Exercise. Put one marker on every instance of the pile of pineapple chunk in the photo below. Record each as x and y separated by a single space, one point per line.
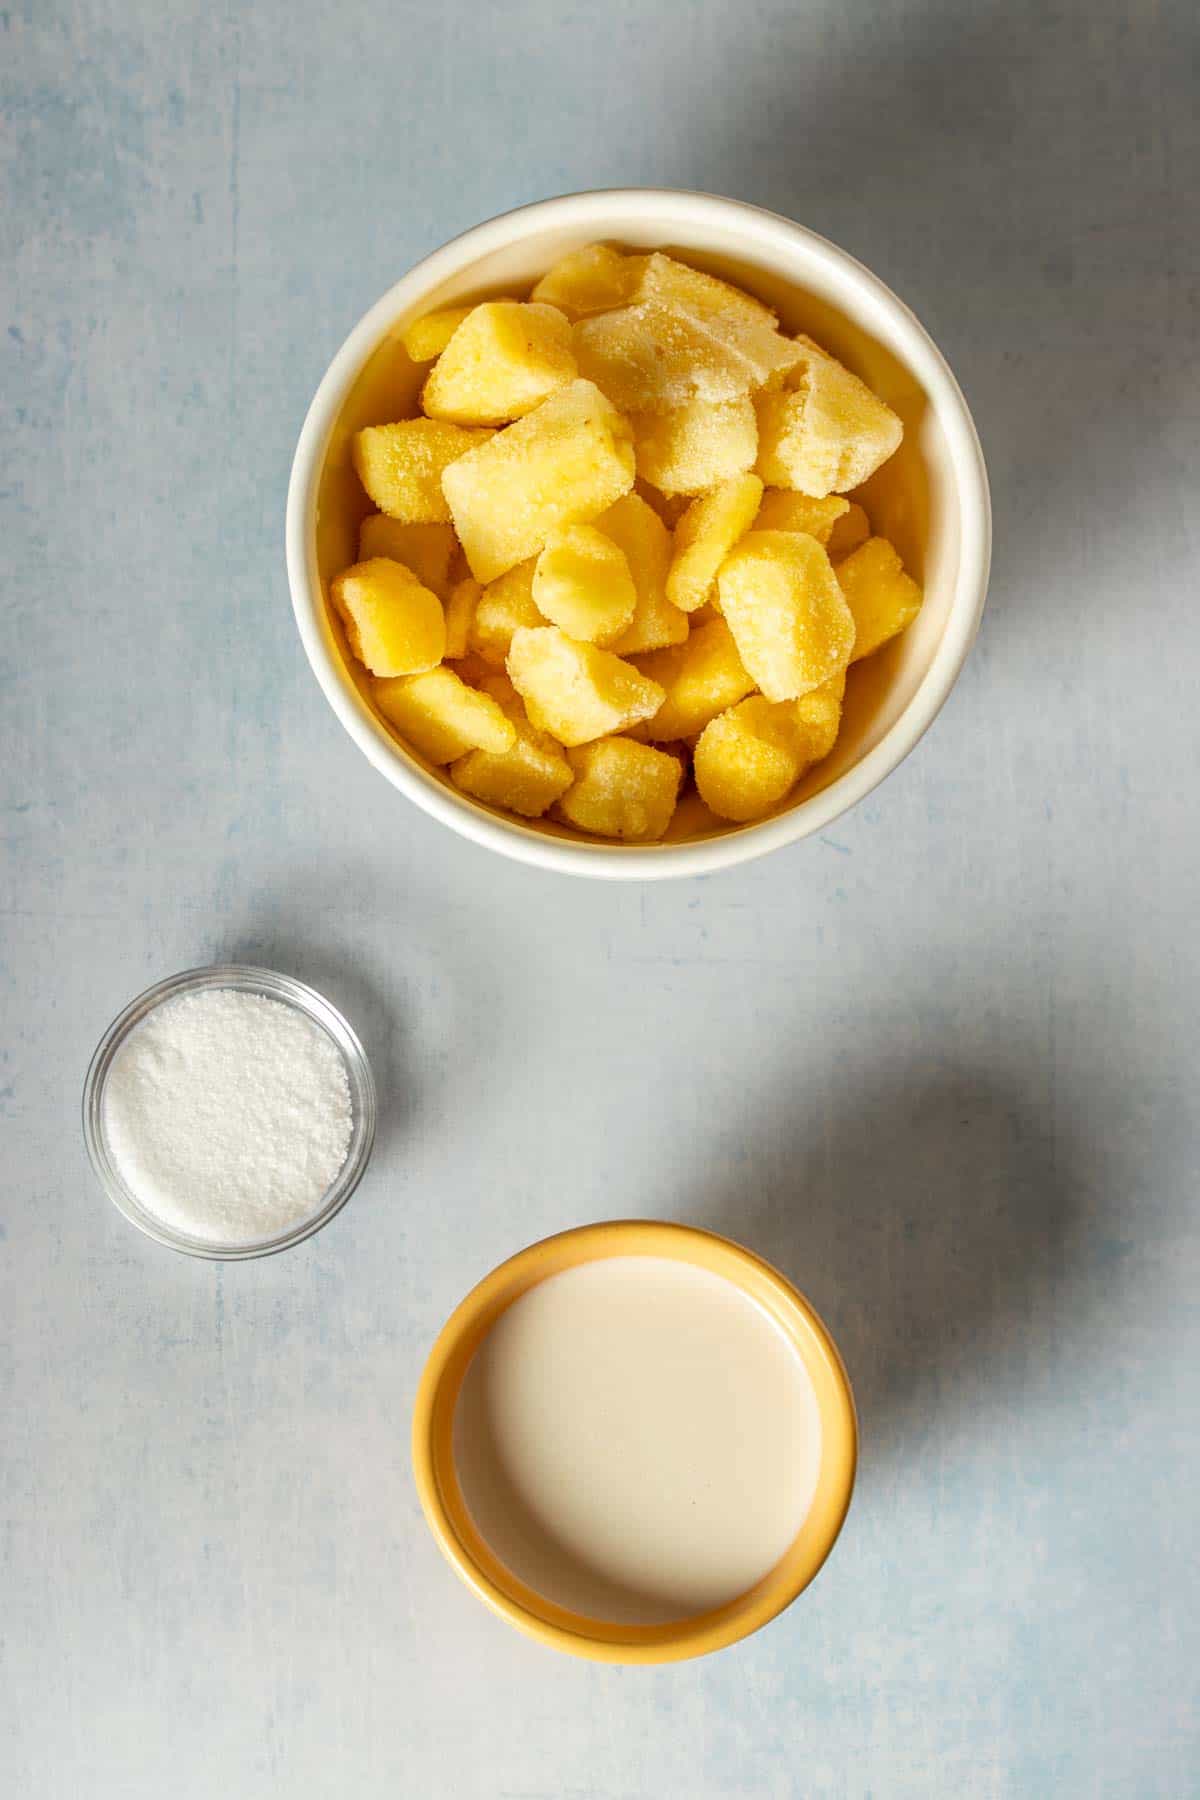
615 549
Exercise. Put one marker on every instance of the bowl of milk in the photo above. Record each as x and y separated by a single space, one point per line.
635 1441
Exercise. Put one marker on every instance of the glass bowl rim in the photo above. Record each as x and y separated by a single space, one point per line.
272 985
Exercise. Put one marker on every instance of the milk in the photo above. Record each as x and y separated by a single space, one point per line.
637 1439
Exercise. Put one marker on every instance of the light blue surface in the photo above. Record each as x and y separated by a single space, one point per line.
941 1064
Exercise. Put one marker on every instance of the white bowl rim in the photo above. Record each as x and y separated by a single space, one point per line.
640 862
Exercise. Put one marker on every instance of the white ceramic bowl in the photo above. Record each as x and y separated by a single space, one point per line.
931 499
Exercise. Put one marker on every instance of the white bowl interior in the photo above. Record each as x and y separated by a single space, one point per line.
926 499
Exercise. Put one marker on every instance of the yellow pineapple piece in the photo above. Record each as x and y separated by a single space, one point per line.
505 358
699 679
651 357
788 616
582 582
401 465
460 617
622 789
692 447
655 355
562 464
439 715
851 530
575 691
394 626
528 777
883 599
824 431
783 509
590 280
426 338
748 759
706 534
635 527
818 718
502 608
425 549
681 750
662 278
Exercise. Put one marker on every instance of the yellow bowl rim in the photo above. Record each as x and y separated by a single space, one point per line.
511 1599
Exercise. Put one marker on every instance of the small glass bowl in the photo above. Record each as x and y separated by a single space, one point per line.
271 986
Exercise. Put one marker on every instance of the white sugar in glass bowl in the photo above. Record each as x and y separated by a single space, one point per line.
931 499
113 1169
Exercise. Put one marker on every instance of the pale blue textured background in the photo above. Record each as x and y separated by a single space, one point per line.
941 1064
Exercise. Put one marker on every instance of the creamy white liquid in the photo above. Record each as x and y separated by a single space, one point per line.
637 1440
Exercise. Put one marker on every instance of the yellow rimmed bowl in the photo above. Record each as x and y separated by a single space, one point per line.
467 1551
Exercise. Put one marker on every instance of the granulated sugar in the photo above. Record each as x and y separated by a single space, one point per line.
228 1115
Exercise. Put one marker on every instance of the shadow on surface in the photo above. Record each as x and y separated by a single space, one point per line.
932 1220
1022 175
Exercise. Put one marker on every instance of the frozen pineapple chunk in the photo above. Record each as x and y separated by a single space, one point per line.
394 626
528 777
651 357
505 358
439 715
748 759
699 678
502 608
425 549
655 355
882 598
824 431
583 583
788 616
460 617
694 446
575 691
401 465
562 464
593 279
635 527
622 790
426 338
851 530
818 718
784 510
706 534
660 277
